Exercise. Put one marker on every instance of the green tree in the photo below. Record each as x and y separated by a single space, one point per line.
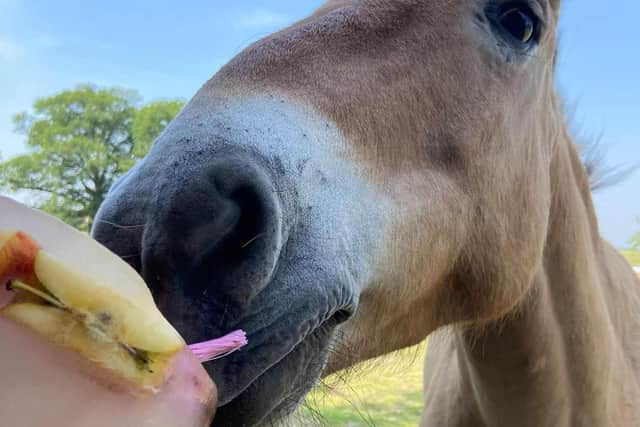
79 142
150 121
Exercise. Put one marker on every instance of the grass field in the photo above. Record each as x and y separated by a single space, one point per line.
384 393
633 257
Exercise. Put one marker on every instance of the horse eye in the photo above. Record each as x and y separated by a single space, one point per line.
520 22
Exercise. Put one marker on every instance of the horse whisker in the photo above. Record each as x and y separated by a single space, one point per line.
253 239
122 227
129 256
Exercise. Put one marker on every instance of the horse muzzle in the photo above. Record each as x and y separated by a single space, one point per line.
246 216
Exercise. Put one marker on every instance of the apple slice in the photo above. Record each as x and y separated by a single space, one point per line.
47 385
83 343
80 295
108 356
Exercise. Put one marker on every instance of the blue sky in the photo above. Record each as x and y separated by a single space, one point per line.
168 49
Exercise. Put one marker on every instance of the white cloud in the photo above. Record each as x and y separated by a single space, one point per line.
10 51
18 93
24 78
261 19
11 144
14 53
47 42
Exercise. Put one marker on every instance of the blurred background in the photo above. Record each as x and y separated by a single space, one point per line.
85 87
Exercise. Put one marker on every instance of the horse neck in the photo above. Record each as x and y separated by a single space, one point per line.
560 354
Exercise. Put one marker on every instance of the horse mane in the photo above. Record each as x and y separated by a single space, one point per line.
593 154
601 173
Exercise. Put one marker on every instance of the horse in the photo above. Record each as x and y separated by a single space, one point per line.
380 172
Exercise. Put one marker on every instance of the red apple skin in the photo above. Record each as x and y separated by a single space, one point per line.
17 259
43 384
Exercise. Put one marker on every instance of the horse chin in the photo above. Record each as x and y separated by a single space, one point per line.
277 392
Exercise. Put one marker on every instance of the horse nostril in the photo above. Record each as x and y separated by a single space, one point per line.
242 224
242 252
218 234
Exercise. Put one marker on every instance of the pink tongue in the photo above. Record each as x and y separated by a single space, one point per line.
220 347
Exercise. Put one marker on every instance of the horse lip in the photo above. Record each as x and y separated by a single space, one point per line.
331 321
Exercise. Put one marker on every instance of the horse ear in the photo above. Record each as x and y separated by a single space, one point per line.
556 4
